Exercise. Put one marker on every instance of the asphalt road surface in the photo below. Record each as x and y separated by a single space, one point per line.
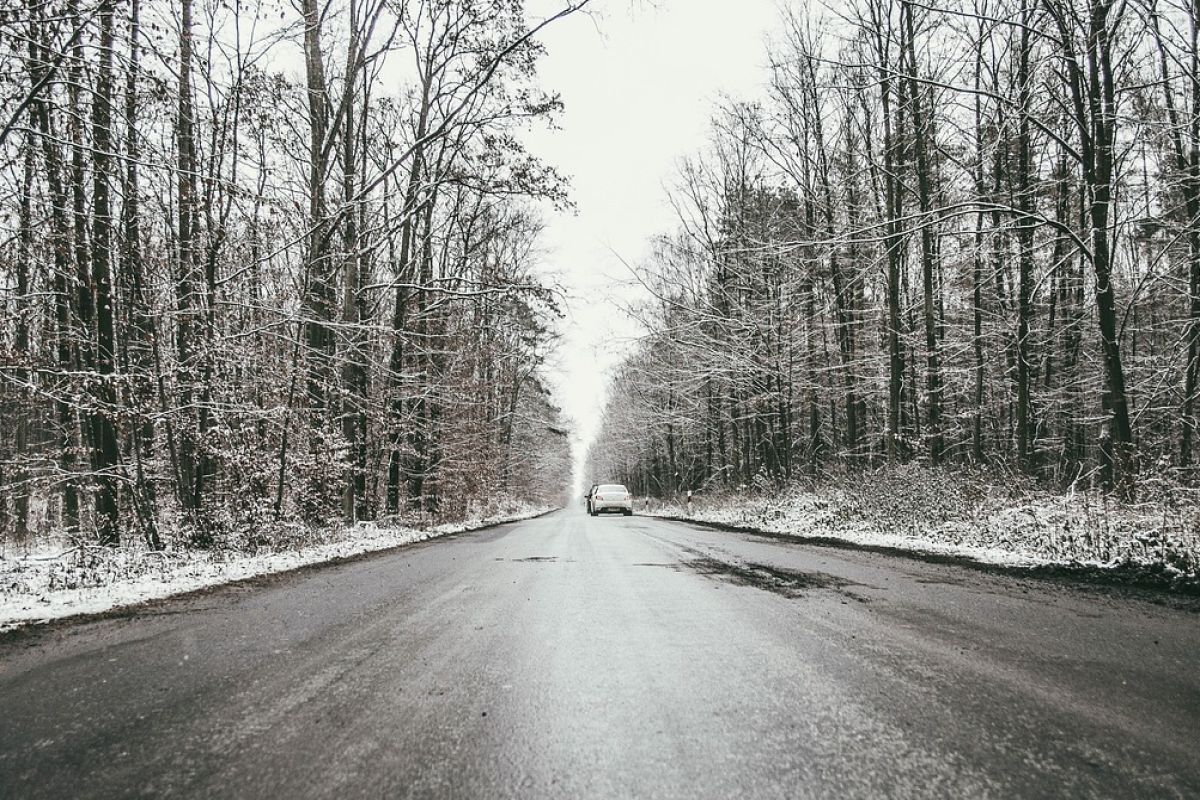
614 657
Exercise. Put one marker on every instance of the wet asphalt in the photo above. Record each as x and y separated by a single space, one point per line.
614 657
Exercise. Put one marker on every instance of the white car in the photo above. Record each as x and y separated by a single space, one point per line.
611 497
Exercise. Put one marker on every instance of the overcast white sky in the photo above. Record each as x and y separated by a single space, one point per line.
639 82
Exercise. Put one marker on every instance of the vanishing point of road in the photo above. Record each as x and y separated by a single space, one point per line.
570 657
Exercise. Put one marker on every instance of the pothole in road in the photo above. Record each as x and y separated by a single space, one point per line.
785 582
943 581
536 560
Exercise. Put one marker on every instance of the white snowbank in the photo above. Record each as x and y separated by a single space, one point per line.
754 516
941 514
46 584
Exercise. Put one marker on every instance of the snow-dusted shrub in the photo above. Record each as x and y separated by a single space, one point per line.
907 498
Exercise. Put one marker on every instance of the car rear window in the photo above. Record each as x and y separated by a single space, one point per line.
613 487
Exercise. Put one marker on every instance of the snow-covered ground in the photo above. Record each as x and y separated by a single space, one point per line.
53 582
910 510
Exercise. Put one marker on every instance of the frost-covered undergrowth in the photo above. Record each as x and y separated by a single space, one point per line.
54 582
936 511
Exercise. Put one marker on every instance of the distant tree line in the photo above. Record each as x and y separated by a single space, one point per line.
264 262
958 234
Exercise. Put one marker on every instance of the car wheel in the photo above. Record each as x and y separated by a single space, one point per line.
628 513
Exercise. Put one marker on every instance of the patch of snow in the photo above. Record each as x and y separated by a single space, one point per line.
49 582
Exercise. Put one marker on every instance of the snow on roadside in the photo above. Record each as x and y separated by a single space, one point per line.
956 518
44 585
752 517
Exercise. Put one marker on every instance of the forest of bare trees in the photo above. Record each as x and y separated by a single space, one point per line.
949 234
265 262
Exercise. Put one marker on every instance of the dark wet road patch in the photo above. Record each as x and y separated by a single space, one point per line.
944 581
785 582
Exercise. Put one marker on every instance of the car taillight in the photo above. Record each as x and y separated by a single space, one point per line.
628 497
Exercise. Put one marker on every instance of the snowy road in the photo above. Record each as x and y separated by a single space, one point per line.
613 657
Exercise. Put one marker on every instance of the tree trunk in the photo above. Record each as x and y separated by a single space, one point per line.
66 352
21 343
1025 228
185 292
1093 96
104 435
140 329
930 255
